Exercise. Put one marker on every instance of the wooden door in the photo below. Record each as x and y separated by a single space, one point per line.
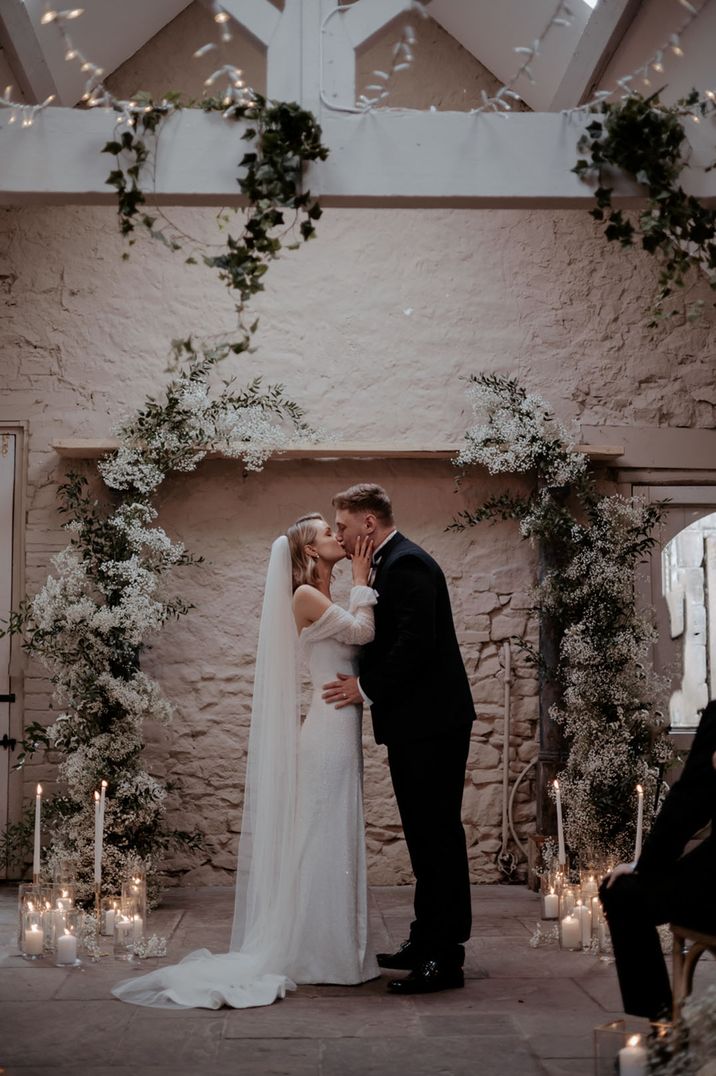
8 454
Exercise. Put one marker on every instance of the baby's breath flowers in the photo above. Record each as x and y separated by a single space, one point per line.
610 698
107 597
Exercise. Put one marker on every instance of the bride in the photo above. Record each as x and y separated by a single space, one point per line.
301 911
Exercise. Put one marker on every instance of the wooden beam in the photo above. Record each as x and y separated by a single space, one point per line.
602 36
24 53
78 448
258 17
364 20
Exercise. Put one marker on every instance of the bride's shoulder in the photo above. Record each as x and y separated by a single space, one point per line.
309 601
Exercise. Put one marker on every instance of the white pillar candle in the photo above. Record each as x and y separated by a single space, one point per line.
36 849
137 928
633 1058
584 916
551 905
109 917
66 948
33 941
639 821
561 854
97 840
571 932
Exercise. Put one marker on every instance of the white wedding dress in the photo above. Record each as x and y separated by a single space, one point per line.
314 928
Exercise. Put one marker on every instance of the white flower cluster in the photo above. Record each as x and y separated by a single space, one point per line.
517 433
249 433
133 520
127 468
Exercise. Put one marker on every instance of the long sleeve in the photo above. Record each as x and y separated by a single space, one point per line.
414 600
688 806
355 625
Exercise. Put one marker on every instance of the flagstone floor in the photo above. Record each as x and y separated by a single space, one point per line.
523 1011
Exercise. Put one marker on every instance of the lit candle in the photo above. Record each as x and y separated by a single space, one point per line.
639 821
97 840
36 852
571 932
583 914
103 793
137 928
33 941
551 905
109 918
123 928
66 948
633 1058
561 854
590 888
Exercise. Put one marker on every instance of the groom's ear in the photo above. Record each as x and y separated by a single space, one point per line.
370 522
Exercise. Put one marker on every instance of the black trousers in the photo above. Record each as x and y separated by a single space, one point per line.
428 778
635 904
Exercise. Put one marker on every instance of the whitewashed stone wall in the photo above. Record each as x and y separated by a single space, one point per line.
371 328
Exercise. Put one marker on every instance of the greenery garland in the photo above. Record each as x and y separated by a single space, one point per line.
88 625
640 136
90 622
617 737
284 137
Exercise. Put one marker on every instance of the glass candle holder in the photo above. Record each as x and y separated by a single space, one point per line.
568 895
67 940
134 888
617 1049
549 897
570 921
123 935
63 902
583 913
32 939
109 909
589 879
31 897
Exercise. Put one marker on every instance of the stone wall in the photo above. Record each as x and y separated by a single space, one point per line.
371 327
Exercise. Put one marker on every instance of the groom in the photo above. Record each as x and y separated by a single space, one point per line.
413 678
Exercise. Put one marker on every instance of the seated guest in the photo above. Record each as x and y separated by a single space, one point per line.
666 886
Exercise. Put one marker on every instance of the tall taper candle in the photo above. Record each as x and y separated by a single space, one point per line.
561 854
639 821
102 794
36 850
97 840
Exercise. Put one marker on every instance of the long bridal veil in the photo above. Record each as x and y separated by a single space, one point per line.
254 971
266 874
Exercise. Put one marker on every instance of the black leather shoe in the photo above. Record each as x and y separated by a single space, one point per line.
405 959
428 977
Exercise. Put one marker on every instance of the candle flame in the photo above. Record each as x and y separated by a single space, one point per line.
96 797
39 790
634 1040
104 784
639 790
556 784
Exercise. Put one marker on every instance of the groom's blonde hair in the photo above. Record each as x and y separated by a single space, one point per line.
366 497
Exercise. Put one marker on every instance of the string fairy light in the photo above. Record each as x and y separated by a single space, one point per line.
500 101
20 111
655 64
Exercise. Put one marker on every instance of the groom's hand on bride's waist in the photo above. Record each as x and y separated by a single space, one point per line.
343 691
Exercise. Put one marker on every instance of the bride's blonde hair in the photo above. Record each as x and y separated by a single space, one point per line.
300 534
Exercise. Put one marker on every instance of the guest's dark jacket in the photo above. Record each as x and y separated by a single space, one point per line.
689 805
413 672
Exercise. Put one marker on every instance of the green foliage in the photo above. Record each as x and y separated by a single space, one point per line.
284 139
592 544
646 140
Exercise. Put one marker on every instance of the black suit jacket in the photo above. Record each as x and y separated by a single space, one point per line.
688 807
413 671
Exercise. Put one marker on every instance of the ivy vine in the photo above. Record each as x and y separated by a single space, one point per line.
645 139
284 139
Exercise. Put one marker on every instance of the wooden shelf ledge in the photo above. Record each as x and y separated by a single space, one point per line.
78 448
